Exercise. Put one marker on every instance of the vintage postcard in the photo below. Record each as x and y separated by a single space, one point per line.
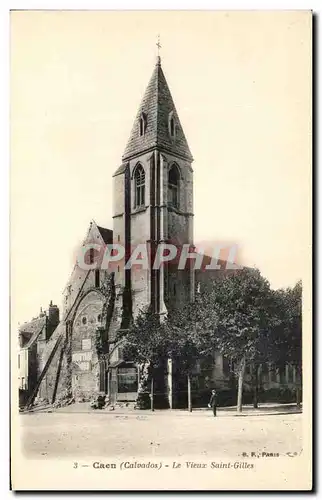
161 319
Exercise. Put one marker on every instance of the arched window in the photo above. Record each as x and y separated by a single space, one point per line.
139 182
173 186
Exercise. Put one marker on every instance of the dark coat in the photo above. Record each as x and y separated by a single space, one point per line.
213 400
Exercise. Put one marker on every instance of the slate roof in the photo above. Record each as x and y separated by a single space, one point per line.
29 332
107 234
156 105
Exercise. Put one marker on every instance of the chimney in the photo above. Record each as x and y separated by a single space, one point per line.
53 318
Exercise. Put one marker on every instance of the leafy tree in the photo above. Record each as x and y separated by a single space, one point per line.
185 330
232 317
239 309
285 344
239 316
145 343
150 343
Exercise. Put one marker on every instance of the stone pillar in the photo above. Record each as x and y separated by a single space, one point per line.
163 224
113 385
108 384
192 285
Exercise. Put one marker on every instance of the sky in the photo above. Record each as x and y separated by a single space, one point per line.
241 83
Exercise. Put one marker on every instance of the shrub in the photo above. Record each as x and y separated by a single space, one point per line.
98 401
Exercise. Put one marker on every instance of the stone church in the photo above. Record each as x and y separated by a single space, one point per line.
153 203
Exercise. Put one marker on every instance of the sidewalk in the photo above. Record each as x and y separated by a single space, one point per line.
229 411
263 409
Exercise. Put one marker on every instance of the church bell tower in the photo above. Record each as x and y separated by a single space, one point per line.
153 203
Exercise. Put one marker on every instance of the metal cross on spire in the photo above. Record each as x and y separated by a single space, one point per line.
158 44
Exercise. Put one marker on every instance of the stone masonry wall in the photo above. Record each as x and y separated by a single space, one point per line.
85 367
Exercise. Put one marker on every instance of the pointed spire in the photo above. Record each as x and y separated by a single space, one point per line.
158 44
157 122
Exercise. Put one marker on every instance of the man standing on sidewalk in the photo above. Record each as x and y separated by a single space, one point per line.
213 402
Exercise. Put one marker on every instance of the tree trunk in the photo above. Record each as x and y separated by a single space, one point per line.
240 384
255 385
152 394
189 394
170 383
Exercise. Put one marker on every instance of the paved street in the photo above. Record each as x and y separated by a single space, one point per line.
176 433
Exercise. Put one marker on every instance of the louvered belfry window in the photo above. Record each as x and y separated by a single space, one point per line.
173 187
139 179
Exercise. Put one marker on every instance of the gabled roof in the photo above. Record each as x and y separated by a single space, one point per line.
107 237
107 234
29 332
156 106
